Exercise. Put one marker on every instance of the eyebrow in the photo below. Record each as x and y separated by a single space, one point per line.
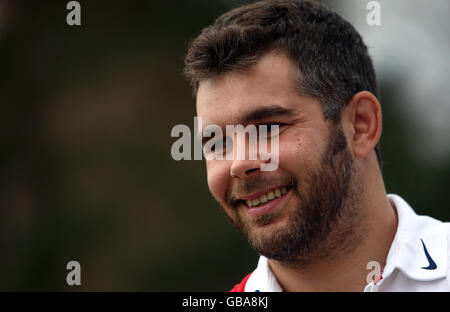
271 111
266 112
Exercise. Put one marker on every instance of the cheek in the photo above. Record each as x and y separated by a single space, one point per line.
218 178
296 154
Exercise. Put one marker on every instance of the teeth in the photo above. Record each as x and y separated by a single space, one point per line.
277 193
267 197
263 199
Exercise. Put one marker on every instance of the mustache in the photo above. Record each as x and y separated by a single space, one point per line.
243 188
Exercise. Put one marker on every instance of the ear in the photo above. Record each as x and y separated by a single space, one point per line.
363 121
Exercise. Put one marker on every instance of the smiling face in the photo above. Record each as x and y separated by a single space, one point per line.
305 209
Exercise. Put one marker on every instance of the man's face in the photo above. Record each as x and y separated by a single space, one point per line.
309 196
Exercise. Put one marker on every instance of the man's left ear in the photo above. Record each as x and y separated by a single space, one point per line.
362 119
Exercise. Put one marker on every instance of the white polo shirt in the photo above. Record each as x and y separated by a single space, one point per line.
418 259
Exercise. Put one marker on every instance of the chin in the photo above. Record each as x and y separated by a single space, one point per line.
267 229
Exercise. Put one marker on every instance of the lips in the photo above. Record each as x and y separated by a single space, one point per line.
265 201
267 207
257 200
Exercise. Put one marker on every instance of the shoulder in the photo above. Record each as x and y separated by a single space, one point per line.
241 286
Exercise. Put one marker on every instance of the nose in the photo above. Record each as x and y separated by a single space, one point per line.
244 169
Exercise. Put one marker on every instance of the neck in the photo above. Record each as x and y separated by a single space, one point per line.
348 271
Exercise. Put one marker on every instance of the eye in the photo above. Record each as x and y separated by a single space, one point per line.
279 124
270 127
270 124
221 146
227 144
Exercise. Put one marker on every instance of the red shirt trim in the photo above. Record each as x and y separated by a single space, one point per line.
241 286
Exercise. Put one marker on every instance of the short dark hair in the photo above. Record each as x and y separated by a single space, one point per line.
332 60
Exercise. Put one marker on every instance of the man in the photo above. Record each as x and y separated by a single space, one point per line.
323 215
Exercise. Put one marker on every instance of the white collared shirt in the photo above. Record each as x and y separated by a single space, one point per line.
418 259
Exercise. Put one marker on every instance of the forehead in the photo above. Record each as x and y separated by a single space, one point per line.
225 99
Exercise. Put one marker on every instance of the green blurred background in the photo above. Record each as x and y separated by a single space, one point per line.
86 172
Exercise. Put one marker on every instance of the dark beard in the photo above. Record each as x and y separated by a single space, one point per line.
325 224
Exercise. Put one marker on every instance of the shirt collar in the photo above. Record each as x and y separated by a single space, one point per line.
262 279
419 248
